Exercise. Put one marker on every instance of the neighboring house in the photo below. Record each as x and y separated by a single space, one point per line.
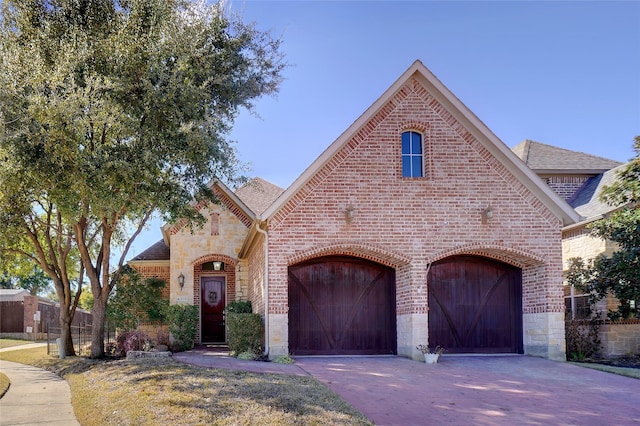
579 178
22 314
417 225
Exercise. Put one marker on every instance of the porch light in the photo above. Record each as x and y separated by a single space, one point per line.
218 266
181 281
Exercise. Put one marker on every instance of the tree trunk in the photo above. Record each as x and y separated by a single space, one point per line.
65 331
97 329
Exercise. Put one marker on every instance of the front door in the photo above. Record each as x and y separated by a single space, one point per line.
213 303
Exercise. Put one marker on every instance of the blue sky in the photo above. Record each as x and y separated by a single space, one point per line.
561 73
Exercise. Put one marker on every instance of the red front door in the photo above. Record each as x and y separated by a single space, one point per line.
213 303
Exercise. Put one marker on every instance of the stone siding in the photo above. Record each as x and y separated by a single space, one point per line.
579 243
620 338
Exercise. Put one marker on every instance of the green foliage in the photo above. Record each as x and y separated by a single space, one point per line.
131 341
86 300
618 274
183 325
583 339
25 274
112 111
283 359
245 333
136 300
239 307
247 356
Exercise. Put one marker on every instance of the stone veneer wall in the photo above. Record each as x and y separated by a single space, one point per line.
407 223
620 337
190 247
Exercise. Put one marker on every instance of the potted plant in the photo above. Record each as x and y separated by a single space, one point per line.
431 357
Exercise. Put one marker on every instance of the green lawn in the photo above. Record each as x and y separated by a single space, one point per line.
5 343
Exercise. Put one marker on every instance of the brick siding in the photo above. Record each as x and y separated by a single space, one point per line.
409 222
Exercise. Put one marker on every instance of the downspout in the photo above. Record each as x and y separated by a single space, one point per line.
266 288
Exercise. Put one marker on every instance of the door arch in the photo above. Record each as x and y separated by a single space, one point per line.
341 306
475 305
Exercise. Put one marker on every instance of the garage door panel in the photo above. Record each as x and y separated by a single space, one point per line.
341 306
475 306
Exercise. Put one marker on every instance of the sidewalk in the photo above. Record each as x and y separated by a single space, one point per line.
36 396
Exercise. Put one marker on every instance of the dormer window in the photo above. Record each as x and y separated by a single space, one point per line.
412 164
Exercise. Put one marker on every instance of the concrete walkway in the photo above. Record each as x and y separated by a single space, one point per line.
462 390
36 396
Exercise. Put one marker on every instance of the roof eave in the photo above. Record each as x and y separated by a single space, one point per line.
569 171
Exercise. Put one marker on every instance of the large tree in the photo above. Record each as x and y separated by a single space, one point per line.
619 273
111 111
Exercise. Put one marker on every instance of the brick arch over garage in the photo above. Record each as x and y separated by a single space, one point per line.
516 257
366 252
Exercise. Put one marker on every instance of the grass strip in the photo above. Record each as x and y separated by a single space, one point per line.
622 371
5 343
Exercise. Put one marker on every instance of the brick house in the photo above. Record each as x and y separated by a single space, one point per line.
417 225
578 178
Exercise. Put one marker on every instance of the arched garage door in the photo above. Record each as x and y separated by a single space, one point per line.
475 305
341 306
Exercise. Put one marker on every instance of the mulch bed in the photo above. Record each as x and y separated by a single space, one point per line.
628 361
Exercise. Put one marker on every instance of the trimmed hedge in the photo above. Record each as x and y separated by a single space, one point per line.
245 333
183 325
239 307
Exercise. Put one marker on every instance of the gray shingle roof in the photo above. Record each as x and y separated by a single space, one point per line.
546 158
258 194
158 251
587 200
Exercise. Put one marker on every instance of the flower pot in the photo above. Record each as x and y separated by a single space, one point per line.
431 358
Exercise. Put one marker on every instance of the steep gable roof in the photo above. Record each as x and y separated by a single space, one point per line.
227 198
464 116
587 200
258 194
542 158
253 197
158 251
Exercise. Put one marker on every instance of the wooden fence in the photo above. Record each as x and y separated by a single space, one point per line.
18 319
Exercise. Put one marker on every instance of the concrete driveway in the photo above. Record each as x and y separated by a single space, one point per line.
480 390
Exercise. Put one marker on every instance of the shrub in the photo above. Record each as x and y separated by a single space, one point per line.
239 307
283 359
136 300
247 356
183 325
245 333
583 339
131 341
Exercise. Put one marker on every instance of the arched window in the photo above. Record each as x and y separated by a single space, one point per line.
412 164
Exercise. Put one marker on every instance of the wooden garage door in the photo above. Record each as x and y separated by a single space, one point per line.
475 306
341 306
